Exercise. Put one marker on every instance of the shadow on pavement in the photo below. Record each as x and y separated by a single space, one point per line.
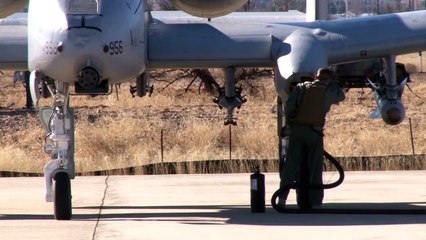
333 214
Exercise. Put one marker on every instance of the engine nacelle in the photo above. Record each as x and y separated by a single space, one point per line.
392 111
8 7
208 8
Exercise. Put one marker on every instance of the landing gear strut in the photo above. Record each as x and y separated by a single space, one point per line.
58 121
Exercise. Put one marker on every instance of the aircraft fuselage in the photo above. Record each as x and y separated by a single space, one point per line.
65 37
119 43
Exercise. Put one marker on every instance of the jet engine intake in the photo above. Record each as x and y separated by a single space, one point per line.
208 8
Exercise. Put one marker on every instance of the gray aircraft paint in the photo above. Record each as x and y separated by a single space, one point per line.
177 45
13 42
249 43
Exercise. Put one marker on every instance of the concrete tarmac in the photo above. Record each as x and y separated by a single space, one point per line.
211 207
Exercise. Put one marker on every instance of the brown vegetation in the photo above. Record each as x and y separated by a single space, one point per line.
123 132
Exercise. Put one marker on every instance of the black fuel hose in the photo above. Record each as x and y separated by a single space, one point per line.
296 185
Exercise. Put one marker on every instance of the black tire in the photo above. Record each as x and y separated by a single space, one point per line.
62 201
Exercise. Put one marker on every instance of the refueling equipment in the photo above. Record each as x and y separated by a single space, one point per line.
257 191
303 186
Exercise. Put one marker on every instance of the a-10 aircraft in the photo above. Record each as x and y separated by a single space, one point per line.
89 45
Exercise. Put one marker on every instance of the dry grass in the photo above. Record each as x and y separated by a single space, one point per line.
191 132
113 133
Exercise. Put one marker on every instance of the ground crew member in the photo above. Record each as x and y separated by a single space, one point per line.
305 113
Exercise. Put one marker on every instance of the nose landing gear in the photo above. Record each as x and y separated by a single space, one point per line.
58 121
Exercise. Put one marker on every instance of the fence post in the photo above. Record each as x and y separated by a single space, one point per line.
230 141
162 146
411 136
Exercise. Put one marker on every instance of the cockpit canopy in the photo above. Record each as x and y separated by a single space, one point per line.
84 7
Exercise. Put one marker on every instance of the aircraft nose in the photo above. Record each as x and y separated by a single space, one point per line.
82 28
91 22
80 37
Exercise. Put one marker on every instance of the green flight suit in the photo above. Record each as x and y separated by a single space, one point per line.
305 115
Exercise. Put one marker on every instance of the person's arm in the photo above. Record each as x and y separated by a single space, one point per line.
335 93
292 105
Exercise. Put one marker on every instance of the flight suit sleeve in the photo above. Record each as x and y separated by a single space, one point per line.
335 93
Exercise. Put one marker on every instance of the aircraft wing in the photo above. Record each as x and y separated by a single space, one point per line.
13 30
295 49
219 44
232 18
234 40
13 42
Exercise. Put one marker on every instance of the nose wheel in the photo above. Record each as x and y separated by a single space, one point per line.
62 200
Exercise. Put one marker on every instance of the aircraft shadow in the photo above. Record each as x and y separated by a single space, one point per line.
333 214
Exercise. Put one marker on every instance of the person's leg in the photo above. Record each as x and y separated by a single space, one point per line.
316 160
292 162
